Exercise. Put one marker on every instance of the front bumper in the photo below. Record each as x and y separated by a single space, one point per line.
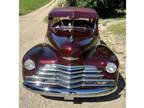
70 94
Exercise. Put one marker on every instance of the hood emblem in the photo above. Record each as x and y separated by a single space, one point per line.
70 58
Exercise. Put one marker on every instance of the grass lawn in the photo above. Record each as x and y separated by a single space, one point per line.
27 6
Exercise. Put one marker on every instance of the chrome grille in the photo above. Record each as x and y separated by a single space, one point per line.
69 76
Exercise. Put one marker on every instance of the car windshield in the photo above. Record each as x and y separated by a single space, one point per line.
76 27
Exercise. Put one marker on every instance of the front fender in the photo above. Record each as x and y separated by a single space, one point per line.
100 56
101 52
40 54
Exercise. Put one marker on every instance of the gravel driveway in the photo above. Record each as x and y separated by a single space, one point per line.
32 31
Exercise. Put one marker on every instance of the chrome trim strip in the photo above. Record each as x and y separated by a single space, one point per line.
59 66
92 75
66 66
69 76
67 69
71 66
92 71
46 73
71 94
68 72
49 69
97 80
38 82
61 71
67 85
70 58
69 81
39 77
98 85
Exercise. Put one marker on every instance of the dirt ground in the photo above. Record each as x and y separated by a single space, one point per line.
32 32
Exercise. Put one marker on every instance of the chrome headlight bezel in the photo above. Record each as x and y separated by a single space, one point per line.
111 67
29 64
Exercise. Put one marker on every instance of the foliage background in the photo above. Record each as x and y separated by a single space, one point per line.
105 8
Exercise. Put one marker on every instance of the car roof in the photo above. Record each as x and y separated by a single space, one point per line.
73 12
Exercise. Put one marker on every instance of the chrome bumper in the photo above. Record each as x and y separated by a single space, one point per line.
70 94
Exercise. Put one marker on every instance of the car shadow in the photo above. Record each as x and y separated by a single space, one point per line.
121 85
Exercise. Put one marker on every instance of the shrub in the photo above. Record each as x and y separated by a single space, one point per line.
105 8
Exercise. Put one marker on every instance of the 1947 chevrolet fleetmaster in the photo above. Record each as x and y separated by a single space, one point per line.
73 62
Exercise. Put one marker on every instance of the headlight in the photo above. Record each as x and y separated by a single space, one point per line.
111 68
29 64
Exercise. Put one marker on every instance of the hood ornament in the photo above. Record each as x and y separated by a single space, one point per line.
70 30
71 38
70 58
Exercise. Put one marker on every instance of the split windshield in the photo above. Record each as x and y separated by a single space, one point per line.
77 27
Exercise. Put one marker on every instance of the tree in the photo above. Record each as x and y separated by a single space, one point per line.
105 8
72 3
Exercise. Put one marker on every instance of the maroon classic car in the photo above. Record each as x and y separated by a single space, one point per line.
73 62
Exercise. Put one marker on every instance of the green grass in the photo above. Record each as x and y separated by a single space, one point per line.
27 6
118 28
